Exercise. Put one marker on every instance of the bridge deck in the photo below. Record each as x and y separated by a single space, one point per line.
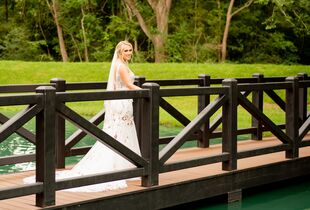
166 180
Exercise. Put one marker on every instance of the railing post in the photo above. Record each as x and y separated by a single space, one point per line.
60 85
257 100
229 123
45 147
203 101
137 106
302 98
150 134
292 117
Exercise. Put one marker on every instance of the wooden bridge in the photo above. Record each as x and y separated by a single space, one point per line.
171 175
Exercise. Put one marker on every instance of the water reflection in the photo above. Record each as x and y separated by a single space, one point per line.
285 195
16 145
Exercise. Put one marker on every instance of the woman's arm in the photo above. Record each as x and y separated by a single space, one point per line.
123 72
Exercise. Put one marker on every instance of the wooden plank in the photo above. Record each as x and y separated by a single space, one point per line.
264 86
176 82
194 162
13 159
192 91
103 95
85 85
19 88
19 100
99 178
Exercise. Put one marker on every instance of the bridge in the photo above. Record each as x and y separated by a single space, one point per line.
170 175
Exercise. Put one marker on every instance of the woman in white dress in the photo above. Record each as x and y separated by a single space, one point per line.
118 123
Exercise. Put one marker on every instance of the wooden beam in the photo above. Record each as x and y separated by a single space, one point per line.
245 103
79 134
195 124
18 121
23 132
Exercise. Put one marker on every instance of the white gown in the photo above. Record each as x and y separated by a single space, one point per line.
119 124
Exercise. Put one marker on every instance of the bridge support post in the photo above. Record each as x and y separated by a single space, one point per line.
60 85
257 100
203 101
137 108
229 123
235 195
292 117
150 134
45 147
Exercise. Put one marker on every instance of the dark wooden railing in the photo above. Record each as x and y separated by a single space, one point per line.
47 104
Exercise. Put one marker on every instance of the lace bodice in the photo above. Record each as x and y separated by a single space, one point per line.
119 84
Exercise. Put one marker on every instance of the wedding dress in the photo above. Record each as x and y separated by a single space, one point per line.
119 124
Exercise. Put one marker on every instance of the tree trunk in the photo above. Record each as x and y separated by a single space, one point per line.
84 36
55 12
62 45
43 34
219 30
229 16
226 31
76 47
161 8
6 8
160 49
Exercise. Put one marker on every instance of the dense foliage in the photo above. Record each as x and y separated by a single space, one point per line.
265 31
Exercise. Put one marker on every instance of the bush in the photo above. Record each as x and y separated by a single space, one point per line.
16 46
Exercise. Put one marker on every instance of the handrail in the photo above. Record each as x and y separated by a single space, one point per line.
69 86
102 95
10 100
21 88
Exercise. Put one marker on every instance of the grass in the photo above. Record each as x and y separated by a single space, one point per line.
18 72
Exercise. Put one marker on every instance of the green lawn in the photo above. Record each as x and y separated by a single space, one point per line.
18 72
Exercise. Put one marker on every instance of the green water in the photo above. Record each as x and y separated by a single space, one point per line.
293 195
285 195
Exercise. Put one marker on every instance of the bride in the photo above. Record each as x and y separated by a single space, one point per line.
118 123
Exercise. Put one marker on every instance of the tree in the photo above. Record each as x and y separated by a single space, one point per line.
293 19
16 46
161 9
54 8
269 31
229 16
